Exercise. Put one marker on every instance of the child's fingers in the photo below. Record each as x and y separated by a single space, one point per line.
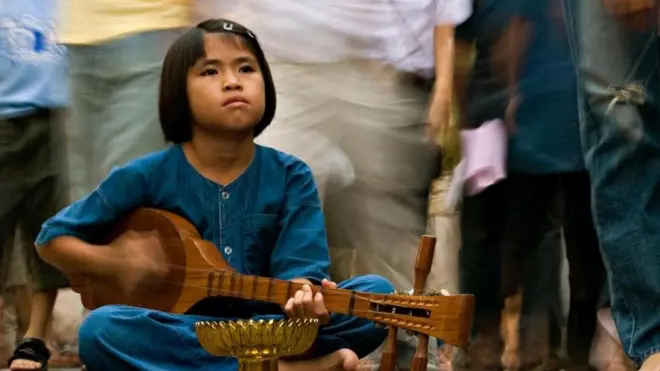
328 284
320 311
308 302
298 310
288 308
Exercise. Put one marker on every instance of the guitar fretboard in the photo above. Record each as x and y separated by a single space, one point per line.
276 291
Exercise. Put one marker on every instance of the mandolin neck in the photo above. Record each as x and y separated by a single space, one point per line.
227 283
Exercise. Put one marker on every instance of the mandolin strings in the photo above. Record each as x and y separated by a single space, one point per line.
337 291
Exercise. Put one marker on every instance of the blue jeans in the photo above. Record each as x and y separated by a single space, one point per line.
620 125
128 338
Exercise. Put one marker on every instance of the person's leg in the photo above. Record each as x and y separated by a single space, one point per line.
481 237
129 126
479 274
532 204
12 146
374 225
587 273
606 351
541 295
86 112
17 291
12 326
8 326
127 338
28 156
114 106
11 188
41 201
618 76
374 117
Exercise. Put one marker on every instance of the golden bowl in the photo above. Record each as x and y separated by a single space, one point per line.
250 340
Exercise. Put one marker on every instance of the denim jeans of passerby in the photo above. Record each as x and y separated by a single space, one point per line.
620 125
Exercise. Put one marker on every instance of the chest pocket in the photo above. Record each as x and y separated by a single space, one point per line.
260 233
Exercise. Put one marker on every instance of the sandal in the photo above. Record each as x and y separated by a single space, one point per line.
32 349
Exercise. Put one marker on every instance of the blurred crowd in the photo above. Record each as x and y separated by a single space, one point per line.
520 133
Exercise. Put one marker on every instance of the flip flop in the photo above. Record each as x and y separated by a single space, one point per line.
32 349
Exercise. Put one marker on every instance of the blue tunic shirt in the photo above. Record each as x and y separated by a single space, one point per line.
267 222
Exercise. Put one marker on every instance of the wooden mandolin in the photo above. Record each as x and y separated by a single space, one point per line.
197 271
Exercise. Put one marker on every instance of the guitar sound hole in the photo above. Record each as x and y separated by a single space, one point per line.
394 309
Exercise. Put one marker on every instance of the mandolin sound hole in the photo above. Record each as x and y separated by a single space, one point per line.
394 309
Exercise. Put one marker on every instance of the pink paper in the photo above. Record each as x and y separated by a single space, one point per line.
484 153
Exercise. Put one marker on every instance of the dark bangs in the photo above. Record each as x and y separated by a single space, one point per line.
173 106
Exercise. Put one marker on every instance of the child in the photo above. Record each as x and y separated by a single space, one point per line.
258 205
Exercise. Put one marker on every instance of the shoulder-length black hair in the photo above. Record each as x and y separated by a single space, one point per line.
173 107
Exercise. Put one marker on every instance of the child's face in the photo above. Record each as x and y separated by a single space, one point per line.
226 88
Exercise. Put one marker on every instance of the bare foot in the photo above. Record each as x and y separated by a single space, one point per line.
510 360
65 360
341 360
652 363
606 351
23 364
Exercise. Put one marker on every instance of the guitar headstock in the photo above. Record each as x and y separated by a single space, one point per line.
447 317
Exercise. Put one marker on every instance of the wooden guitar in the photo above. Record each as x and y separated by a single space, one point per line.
197 271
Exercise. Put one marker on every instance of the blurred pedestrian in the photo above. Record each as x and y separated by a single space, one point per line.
615 47
33 90
116 52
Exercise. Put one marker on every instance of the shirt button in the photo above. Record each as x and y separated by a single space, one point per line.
225 195
228 250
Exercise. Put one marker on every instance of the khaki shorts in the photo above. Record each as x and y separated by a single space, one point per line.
30 157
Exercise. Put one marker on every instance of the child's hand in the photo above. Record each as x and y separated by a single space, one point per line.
306 304
140 261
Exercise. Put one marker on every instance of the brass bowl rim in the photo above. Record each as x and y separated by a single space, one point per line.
215 336
303 321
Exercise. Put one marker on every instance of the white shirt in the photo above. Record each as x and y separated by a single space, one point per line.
398 32
299 31
414 21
